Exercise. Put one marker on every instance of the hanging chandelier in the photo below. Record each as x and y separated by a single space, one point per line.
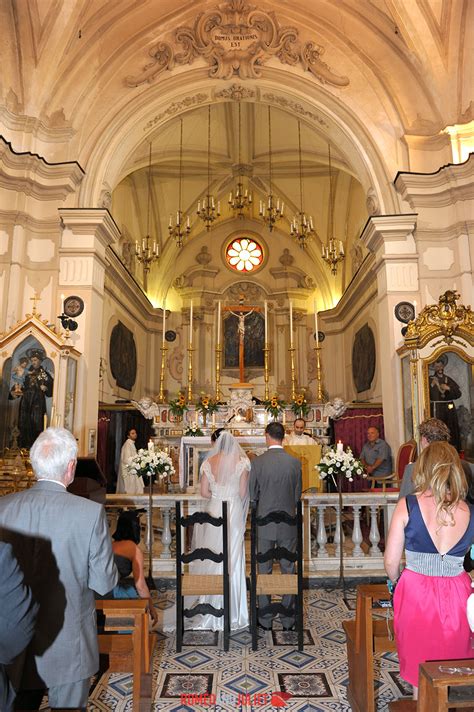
146 252
301 227
182 227
270 210
330 253
206 209
240 199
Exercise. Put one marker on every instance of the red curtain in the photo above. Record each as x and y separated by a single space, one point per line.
351 429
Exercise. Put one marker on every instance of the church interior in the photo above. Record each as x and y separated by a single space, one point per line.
216 214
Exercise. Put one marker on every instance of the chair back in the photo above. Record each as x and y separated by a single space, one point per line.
406 454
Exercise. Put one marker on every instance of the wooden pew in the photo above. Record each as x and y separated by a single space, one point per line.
364 637
128 652
435 689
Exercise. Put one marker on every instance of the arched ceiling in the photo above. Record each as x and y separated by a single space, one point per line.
391 74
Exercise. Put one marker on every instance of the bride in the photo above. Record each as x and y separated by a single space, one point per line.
224 477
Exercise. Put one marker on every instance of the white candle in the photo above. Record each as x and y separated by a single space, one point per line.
150 445
213 420
316 323
164 322
191 324
414 309
266 322
340 447
218 323
291 324
52 416
284 417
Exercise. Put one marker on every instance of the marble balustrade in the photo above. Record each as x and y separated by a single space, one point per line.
321 530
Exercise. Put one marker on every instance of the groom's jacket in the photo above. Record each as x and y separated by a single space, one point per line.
275 484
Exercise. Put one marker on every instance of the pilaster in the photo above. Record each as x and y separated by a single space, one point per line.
82 261
390 238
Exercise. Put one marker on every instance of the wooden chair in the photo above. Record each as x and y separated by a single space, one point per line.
406 454
276 583
437 689
125 645
365 636
188 584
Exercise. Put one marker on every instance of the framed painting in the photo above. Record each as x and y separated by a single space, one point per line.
448 394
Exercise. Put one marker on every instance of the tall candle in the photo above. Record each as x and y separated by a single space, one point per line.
164 322
316 323
340 447
291 324
266 322
218 322
191 324
45 421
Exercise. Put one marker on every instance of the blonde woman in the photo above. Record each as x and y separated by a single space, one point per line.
435 526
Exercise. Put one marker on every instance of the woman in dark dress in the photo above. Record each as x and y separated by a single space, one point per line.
129 561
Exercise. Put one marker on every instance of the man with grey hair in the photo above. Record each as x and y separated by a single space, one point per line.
432 430
64 549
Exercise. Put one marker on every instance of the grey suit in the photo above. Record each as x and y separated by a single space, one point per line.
17 619
63 547
275 484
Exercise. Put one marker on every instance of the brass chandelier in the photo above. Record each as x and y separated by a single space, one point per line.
270 210
240 199
301 227
181 227
208 209
146 252
331 253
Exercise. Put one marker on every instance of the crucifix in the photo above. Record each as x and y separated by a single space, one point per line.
241 313
35 299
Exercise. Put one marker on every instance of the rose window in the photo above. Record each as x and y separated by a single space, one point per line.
244 255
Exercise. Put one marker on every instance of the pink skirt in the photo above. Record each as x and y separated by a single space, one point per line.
430 620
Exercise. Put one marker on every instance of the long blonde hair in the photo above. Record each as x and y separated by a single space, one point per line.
439 469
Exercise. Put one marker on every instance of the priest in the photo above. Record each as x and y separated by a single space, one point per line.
298 435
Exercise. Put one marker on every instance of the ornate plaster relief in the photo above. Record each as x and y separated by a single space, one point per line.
236 38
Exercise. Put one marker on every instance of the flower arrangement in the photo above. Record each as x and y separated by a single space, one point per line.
178 406
274 405
206 404
193 431
299 406
151 462
338 464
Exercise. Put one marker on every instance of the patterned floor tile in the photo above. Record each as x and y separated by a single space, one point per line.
302 685
315 677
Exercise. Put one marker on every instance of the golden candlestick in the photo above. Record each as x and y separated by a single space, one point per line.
190 373
161 394
218 372
318 374
266 353
293 372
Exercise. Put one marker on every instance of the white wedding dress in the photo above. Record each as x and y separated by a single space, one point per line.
226 487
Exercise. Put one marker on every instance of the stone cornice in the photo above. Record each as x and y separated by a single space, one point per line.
361 291
36 127
445 187
91 221
10 218
379 228
31 174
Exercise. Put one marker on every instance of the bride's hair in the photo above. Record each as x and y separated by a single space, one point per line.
216 433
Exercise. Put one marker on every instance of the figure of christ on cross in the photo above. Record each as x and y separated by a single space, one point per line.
241 313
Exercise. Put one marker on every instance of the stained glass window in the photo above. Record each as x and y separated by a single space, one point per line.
244 254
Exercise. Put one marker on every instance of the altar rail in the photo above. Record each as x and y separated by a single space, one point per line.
321 530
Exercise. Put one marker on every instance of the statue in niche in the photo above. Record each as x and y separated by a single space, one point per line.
253 331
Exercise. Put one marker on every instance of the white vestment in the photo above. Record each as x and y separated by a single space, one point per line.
294 439
128 483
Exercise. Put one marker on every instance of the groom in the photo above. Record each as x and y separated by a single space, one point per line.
275 484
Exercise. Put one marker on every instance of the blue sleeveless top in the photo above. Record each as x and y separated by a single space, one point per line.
421 554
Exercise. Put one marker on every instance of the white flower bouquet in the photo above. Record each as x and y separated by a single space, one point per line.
338 463
151 462
193 431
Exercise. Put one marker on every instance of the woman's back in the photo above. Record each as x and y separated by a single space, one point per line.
446 535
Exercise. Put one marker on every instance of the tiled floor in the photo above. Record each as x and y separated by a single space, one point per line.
316 678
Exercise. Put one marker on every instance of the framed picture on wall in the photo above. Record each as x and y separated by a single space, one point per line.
448 394
407 398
